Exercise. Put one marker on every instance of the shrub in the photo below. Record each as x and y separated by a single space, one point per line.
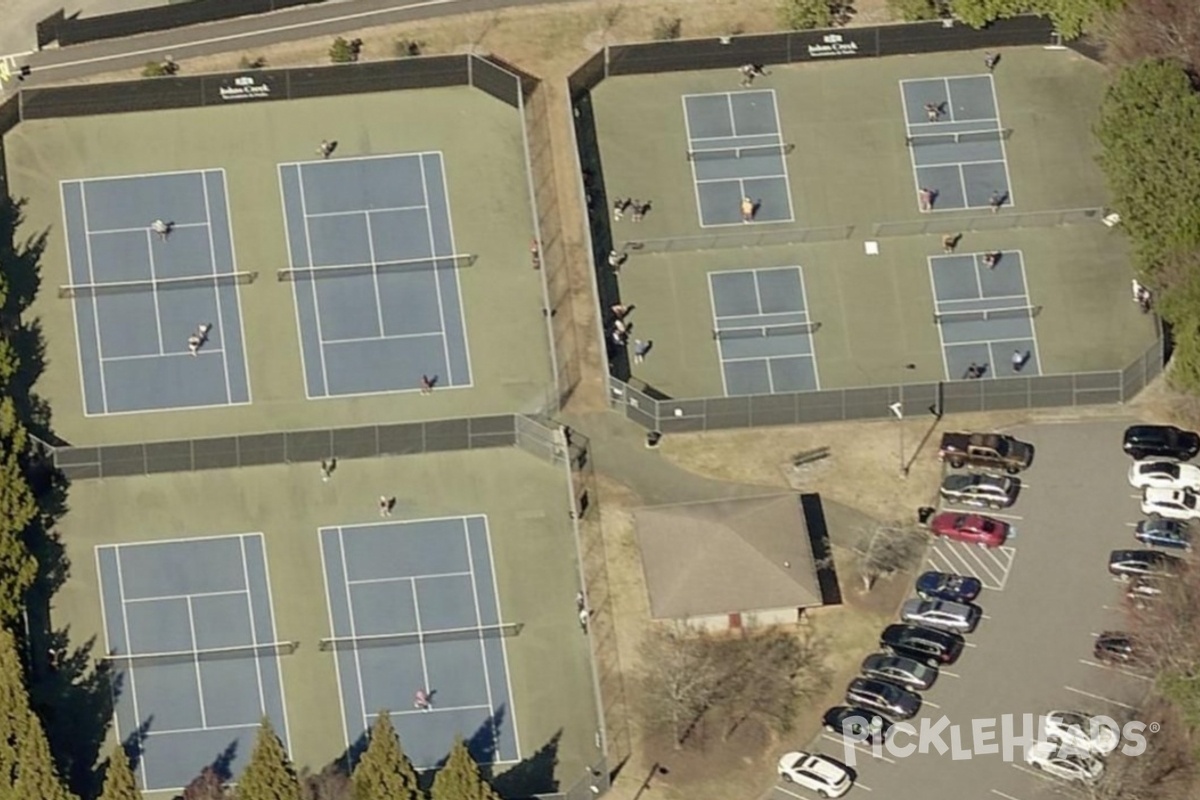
666 28
916 10
342 51
800 15
258 62
155 69
409 47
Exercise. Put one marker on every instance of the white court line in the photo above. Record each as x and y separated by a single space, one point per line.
262 696
512 711
156 356
757 292
420 639
196 663
435 709
487 674
941 338
812 342
1032 320
132 600
712 301
462 314
212 264
790 793
313 286
333 631
362 696
375 271
1011 203
74 309
128 646
87 237
244 726
287 238
358 581
857 746
437 284
987 341
687 127
782 177
384 157
360 339
962 181
237 293
787 184
982 297
1101 698
365 210
965 164
287 731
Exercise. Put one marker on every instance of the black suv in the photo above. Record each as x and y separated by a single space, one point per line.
922 644
1125 565
1161 441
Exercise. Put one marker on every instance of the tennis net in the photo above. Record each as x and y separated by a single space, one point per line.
127 660
725 153
421 637
960 137
72 290
451 261
796 329
987 314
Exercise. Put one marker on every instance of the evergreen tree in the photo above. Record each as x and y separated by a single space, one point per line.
269 775
18 508
384 771
459 779
14 709
119 783
37 777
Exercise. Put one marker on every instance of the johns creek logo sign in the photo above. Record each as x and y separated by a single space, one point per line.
245 88
833 44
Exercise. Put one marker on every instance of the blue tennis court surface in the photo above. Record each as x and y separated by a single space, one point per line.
138 296
984 315
375 273
191 637
763 331
413 607
737 151
959 155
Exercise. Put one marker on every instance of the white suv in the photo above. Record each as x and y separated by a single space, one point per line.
1096 735
1171 503
1064 761
816 773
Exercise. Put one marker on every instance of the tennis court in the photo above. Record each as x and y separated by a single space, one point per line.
959 156
374 268
984 315
736 148
763 331
413 607
190 633
139 295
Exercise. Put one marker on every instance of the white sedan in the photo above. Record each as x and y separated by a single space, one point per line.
1096 735
1161 474
1063 761
816 773
1171 503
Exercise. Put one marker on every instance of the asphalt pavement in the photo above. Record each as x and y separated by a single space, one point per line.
1032 653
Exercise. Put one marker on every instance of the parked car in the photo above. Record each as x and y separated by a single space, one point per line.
993 491
948 586
1117 647
970 528
1126 565
1159 474
1063 761
1096 735
933 647
817 773
857 724
884 697
908 672
985 450
1172 533
1161 441
1171 503
941 614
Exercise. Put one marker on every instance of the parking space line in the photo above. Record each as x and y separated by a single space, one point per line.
985 616
970 644
930 704
971 566
949 674
859 747
1112 668
865 788
999 793
1101 698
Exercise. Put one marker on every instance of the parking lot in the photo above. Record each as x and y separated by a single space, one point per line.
1032 653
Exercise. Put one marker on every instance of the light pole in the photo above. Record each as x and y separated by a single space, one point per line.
897 408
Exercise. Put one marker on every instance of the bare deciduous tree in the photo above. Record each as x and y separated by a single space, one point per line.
1163 771
1159 29
888 549
680 678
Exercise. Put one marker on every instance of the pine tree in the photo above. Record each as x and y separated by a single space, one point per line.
37 777
14 709
269 775
18 508
119 783
384 771
460 779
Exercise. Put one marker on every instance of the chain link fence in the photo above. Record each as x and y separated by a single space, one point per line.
989 222
669 415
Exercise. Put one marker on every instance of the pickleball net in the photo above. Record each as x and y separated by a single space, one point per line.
766 331
432 263
987 314
959 137
250 651
155 285
726 153
479 633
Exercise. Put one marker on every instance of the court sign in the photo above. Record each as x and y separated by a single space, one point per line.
833 44
245 87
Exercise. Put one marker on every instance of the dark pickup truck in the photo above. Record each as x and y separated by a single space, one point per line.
986 450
